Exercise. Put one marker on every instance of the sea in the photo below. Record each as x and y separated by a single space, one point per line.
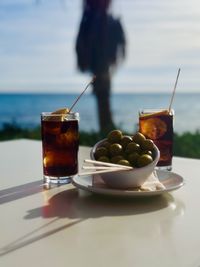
24 109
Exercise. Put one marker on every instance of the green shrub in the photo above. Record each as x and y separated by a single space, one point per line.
185 145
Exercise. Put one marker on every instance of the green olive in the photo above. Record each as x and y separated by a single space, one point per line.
147 144
132 158
104 159
101 151
115 149
114 136
125 141
106 144
138 138
144 160
115 159
124 162
132 147
148 152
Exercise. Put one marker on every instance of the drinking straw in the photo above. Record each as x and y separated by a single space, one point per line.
100 168
107 164
77 99
102 171
172 98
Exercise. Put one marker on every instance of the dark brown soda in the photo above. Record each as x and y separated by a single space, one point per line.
159 128
60 147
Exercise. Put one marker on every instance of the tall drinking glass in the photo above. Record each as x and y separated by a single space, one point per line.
60 142
157 124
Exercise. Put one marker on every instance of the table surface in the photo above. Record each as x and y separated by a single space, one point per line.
65 227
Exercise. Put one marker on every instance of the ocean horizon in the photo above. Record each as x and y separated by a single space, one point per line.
24 109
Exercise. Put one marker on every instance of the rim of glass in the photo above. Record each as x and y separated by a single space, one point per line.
48 113
155 110
68 116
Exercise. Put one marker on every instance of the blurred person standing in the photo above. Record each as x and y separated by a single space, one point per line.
100 45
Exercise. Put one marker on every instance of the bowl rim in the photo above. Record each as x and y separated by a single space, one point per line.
154 162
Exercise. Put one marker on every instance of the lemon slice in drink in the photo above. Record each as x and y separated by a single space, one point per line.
62 112
154 128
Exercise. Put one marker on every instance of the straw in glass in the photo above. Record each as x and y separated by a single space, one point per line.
175 85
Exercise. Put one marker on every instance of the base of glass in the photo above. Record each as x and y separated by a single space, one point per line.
164 168
57 180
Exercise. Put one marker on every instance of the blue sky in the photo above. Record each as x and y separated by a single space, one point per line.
37 45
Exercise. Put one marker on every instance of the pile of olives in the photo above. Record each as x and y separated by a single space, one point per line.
135 151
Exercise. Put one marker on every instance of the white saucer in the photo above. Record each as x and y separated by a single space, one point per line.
170 180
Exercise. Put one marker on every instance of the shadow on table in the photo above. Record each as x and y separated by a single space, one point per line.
21 191
69 204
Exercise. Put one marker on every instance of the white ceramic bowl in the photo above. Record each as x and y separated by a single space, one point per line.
128 178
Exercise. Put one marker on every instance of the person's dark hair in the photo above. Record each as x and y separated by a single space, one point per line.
96 4
101 40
